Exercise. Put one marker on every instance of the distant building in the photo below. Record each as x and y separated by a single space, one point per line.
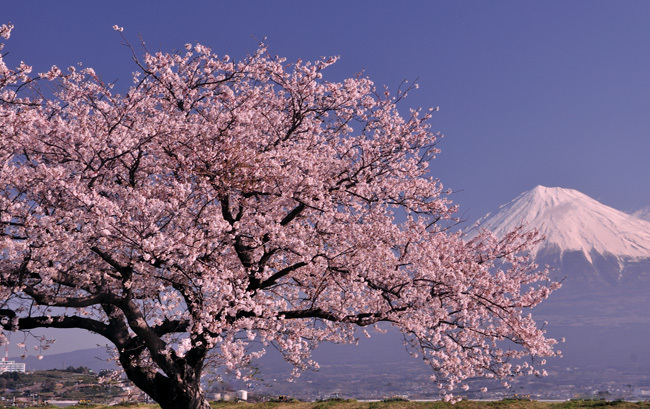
11 366
229 396
62 403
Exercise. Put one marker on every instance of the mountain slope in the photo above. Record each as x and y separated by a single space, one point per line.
586 241
92 358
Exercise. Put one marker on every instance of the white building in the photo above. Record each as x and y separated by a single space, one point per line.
229 396
11 366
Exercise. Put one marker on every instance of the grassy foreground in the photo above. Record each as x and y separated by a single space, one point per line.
505 404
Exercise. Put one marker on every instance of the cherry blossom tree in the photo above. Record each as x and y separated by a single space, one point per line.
219 208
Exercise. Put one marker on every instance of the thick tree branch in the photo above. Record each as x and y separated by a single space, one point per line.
292 214
62 321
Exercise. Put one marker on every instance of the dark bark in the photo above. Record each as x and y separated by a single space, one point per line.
181 391
178 387
190 398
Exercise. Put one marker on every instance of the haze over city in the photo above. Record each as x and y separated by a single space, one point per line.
529 93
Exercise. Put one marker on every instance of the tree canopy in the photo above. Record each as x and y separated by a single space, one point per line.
217 208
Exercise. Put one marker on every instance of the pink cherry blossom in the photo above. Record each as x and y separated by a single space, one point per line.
218 204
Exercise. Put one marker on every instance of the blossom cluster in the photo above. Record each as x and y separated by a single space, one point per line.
217 205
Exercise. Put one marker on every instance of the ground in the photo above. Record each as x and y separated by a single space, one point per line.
351 404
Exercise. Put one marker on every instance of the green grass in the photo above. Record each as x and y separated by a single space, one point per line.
505 404
351 404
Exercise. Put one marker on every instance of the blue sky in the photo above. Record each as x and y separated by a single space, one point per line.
530 92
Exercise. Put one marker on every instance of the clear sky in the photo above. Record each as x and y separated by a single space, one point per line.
548 92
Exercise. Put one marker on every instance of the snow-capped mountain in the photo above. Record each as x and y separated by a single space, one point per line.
581 233
602 257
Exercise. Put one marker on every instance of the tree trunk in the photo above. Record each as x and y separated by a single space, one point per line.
172 396
191 397
169 394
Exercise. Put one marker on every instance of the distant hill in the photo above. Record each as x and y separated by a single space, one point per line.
93 358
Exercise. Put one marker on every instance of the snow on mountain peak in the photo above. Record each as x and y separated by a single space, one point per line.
573 221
